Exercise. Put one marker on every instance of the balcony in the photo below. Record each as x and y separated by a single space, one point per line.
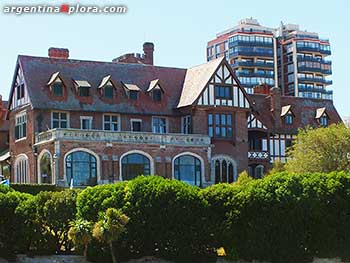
317 80
254 74
250 43
313 49
314 59
258 155
253 53
318 90
253 64
123 137
318 70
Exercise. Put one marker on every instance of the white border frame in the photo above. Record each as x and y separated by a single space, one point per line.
138 152
203 181
53 181
90 118
166 124
135 120
19 158
60 111
111 114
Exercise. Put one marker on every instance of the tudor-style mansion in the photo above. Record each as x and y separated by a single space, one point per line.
80 123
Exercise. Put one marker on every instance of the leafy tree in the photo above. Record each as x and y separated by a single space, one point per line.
321 150
80 233
277 167
244 178
110 227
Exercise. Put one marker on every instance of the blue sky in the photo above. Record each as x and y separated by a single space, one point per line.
179 29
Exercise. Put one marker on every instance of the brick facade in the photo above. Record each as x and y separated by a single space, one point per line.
188 98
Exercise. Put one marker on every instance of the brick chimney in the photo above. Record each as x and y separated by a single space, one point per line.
62 53
148 49
275 95
262 89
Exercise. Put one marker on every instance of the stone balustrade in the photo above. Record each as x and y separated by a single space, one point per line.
123 137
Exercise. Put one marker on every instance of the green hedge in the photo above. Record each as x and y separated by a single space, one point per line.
280 218
36 188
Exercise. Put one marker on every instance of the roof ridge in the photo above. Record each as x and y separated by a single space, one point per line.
98 61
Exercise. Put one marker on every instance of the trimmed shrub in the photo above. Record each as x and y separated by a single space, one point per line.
10 229
36 188
46 217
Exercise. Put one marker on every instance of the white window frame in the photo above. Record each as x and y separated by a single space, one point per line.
166 124
89 118
18 116
110 115
135 120
59 120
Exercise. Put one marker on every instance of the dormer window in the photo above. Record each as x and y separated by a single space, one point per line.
289 119
324 121
82 87
133 94
57 89
108 92
155 90
287 114
322 117
107 87
56 85
132 91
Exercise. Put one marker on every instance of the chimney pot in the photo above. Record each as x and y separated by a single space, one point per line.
62 53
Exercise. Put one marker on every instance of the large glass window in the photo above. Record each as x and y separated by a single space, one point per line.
135 164
223 92
21 126
59 120
81 169
187 168
111 122
159 125
220 125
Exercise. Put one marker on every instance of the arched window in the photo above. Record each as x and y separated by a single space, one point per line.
224 169
259 171
22 170
45 169
187 168
81 169
135 164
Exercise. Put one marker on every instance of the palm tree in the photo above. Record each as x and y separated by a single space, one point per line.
80 233
110 227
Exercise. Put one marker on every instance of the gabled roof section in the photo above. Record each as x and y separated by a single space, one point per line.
195 81
82 83
53 78
153 84
285 110
320 112
105 81
131 87
38 70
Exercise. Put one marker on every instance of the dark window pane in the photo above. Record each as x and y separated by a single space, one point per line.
108 92
133 95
